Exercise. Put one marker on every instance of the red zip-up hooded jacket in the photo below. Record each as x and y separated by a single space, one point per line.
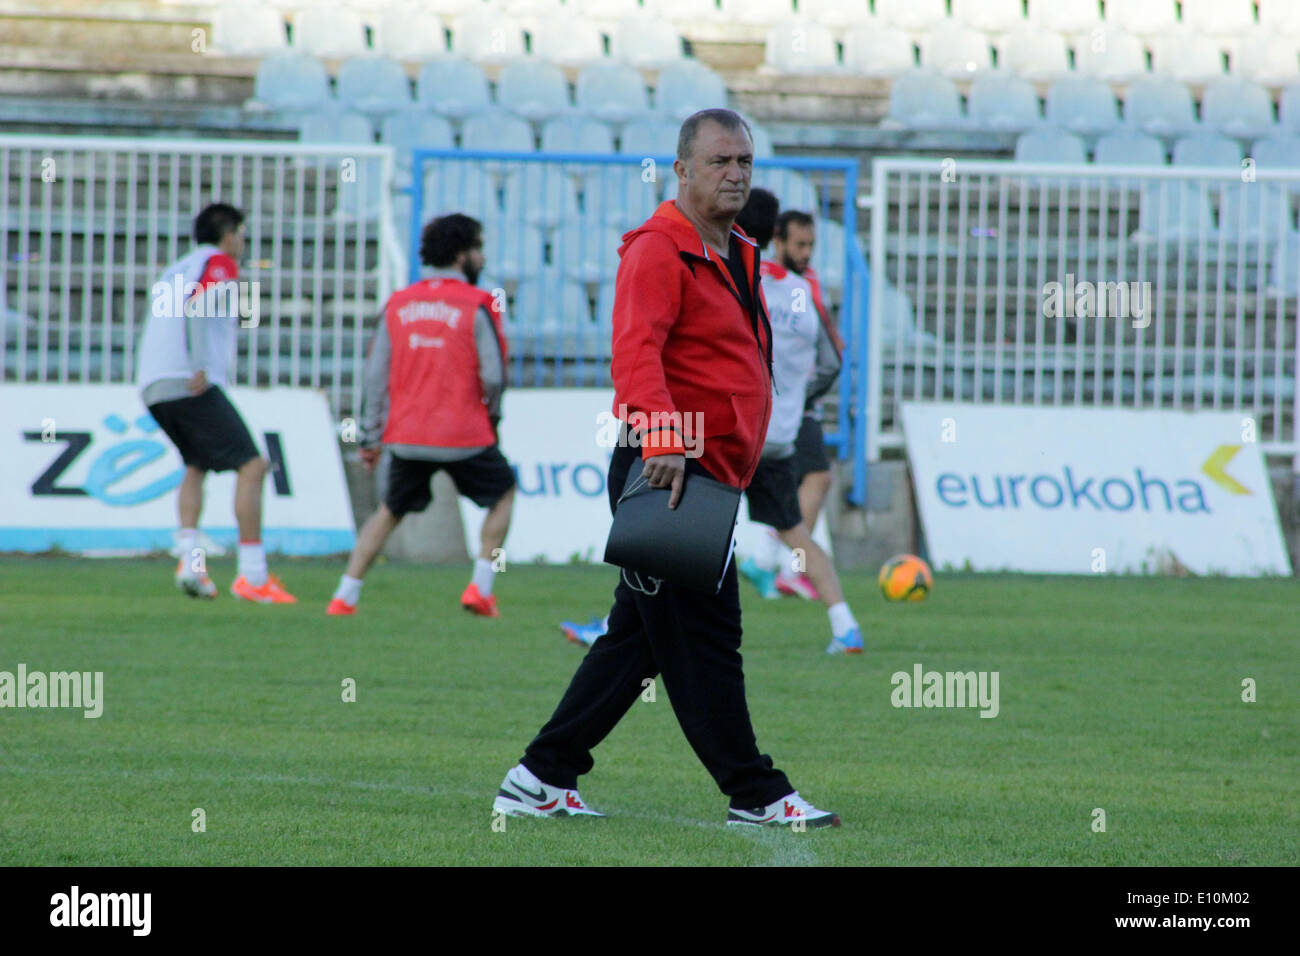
686 352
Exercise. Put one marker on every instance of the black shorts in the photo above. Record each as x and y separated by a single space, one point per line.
207 430
483 479
810 449
773 494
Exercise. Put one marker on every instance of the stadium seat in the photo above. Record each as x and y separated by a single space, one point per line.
914 16
1284 267
1268 58
530 12
764 13
1174 210
878 51
1208 149
649 137
1288 111
605 310
611 92
686 87
1070 17
682 12
586 255
1050 146
360 198
1280 16
1082 105
549 303
460 186
248 30
793 189
1219 18
541 194
618 196
923 100
1235 107
534 90
828 254
990 16
1146 18
496 131
1160 106
897 323
487 36
1277 152
329 32
410 34
453 87
1129 147
800 46
1001 102
1186 57
373 85
1255 213
576 134
645 41
291 81
1111 55
514 252
956 52
332 125
1034 54
568 41
411 129
840 14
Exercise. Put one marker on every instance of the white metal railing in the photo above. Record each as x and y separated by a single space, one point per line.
88 223
963 259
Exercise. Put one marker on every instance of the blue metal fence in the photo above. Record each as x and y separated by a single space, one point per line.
553 223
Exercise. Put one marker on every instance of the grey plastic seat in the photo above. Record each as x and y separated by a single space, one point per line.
541 195
414 129
497 131
248 30
1037 55
1050 146
329 32
1277 152
898 329
1082 105
410 34
914 16
1187 57
453 87
1143 17
687 87
533 90
617 196
332 125
878 50
550 303
568 40
576 134
612 92
487 36
923 100
515 252
649 137
1160 106
800 46
1000 102
291 81
1208 149
1238 108
990 16
1175 209
1065 16
645 41
1129 147
1116 57
763 13
586 255
1280 16
460 186
1255 213
1266 57
373 85
955 51
793 189
1219 18
840 15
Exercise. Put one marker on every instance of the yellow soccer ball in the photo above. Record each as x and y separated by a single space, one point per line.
905 577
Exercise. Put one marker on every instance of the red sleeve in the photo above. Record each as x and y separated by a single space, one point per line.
647 301
496 309
220 268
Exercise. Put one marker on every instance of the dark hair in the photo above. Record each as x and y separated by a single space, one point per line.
447 237
758 218
215 222
791 216
727 119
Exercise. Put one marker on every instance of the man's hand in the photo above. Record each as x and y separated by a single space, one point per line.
370 457
663 471
198 383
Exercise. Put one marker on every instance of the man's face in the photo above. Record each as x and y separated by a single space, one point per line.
234 244
471 263
715 179
796 249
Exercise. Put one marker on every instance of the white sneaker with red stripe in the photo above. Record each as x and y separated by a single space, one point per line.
785 812
523 795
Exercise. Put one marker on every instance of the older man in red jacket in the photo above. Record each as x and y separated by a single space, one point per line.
692 343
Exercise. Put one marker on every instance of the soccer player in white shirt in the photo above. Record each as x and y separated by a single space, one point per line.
186 355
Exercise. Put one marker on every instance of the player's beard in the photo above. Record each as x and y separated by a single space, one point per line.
471 274
790 264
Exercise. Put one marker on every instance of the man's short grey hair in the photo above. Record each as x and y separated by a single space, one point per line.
729 120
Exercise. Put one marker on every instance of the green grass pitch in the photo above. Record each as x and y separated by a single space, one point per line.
1118 694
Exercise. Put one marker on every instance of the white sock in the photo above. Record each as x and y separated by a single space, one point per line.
483 576
842 620
349 590
188 540
252 562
